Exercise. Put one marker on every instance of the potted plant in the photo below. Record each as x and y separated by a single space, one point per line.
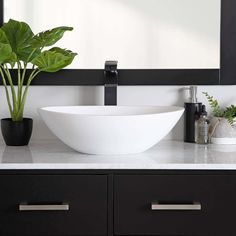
20 48
222 128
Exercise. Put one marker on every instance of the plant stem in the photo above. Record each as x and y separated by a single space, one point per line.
23 74
14 100
22 77
19 84
7 93
31 54
19 115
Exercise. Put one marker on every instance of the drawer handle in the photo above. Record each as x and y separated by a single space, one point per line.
196 206
53 207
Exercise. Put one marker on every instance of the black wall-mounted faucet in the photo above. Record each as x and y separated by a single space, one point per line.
110 83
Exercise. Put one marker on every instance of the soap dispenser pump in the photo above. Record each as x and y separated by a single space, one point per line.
192 113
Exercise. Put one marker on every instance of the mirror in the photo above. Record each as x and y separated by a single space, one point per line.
140 34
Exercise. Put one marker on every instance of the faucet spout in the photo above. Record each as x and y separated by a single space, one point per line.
111 83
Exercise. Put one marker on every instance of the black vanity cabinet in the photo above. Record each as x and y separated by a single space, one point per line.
120 203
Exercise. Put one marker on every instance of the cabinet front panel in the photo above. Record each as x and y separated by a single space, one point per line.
191 205
53 205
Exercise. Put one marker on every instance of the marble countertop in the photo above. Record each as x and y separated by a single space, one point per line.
169 155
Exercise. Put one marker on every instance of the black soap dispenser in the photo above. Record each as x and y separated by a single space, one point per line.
192 112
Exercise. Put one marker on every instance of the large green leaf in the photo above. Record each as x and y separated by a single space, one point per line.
49 37
3 37
5 52
53 60
12 59
67 53
19 35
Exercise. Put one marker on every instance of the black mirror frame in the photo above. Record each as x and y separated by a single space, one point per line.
225 75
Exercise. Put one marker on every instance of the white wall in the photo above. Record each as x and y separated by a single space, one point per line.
144 95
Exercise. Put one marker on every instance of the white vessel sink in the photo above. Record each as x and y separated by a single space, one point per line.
111 129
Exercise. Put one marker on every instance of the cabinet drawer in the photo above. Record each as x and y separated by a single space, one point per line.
57 205
175 205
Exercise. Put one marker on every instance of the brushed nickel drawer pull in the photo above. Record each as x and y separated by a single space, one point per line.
196 206
53 207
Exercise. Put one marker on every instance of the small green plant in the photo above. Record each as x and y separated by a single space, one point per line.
229 112
216 110
20 47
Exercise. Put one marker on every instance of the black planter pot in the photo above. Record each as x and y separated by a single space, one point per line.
16 133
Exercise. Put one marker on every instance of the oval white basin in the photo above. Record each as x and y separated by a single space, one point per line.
111 129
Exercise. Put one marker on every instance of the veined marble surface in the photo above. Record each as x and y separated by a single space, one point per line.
170 155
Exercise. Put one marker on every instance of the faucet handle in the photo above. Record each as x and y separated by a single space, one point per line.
111 66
